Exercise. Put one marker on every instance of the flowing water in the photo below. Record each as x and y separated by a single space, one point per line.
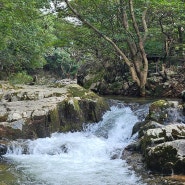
90 157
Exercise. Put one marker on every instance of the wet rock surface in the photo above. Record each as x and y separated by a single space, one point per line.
158 153
3 149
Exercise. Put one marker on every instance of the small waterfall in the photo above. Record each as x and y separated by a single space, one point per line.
81 157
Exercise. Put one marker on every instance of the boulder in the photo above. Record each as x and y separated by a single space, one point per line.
166 112
106 78
3 149
167 158
143 126
158 111
160 135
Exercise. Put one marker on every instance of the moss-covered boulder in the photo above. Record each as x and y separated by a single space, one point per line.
82 106
160 135
143 126
158 111
107 78
167 157
165 112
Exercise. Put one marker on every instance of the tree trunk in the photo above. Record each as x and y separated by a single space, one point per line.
138 63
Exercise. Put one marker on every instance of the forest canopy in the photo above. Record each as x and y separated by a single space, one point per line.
67 35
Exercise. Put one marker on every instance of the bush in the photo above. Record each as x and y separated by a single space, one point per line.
20 78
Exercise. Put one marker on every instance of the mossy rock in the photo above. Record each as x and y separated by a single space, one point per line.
161 134
53 120
70 115
77 91
74 112
158 111
93 79
148 125
6 177
167 157
161 158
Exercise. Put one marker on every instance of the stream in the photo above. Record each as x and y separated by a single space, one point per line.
90 157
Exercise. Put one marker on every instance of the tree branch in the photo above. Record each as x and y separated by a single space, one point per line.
144 24
126 60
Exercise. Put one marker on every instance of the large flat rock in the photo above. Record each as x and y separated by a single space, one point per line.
37 111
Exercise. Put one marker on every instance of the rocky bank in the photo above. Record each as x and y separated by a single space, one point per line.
159 149
113 78
32 111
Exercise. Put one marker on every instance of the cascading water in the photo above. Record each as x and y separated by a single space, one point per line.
81 157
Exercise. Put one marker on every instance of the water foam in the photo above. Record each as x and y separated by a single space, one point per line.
80 157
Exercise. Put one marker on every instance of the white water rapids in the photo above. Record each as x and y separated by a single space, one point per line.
80 158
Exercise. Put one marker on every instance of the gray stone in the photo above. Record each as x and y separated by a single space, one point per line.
168 157
162 134
37 111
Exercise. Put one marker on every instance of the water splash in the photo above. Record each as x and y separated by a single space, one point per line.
82 157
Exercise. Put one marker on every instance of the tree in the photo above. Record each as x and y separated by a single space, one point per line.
168 26
25 34
132 25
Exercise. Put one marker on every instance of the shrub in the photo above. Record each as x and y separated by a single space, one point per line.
20 78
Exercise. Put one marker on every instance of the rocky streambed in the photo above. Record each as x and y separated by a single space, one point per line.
157 154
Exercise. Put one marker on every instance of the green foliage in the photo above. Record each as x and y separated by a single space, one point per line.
24 34
20 78
62 62
168 20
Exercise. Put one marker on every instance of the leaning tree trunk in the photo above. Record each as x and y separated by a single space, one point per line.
142 68
138 68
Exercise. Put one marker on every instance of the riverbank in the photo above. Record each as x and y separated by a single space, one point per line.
36 111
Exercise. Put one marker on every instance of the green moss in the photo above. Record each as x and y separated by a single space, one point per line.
70 128
160 157
7 178
158 111
95 78
3 118
53 119
159 104
146 141
76 105
76 91
65 128
116 85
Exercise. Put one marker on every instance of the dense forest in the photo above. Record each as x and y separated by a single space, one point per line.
60 36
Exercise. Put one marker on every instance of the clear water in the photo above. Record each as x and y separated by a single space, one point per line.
80 158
